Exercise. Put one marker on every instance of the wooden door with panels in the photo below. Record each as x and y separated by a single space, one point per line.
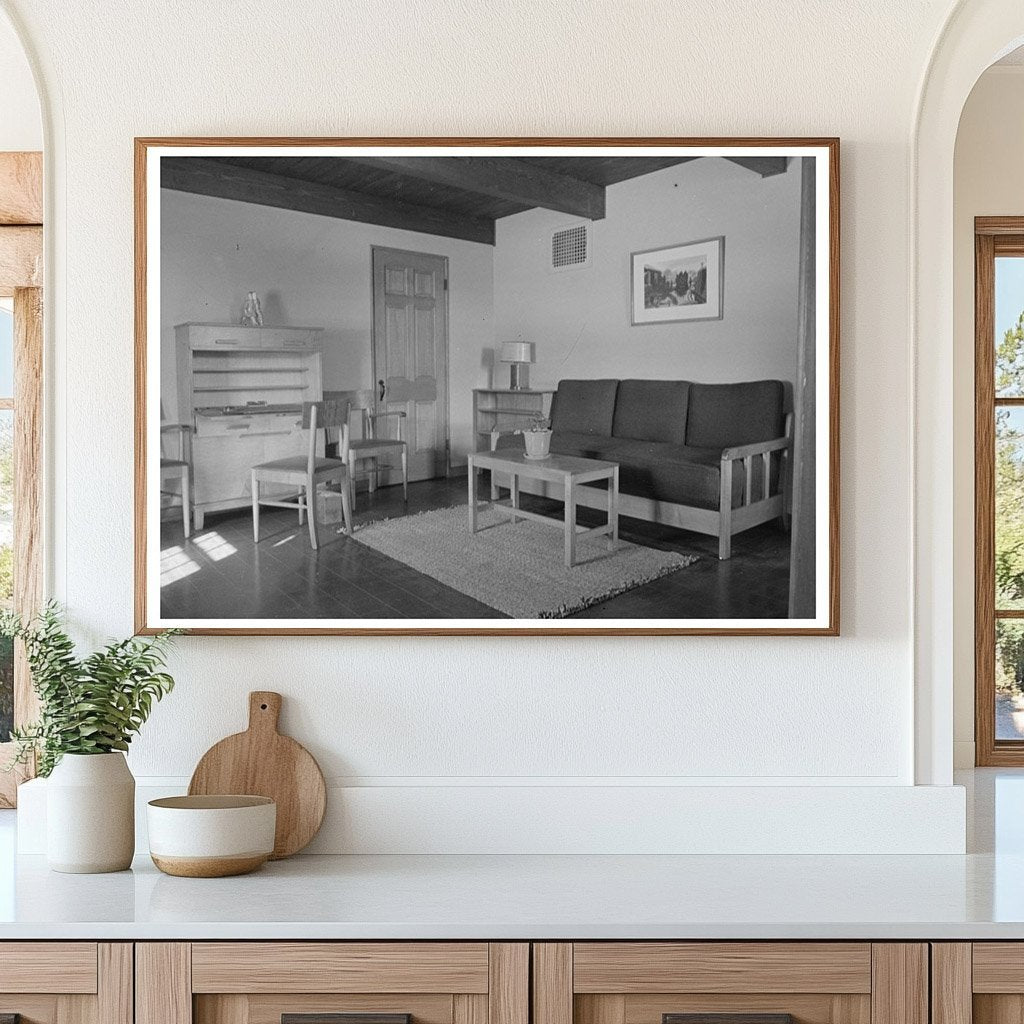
332 983
66 983
730 983
410 354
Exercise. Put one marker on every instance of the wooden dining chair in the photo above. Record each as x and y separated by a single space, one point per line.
369 447
307 471
179 468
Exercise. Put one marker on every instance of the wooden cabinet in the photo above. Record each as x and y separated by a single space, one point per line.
66 982
750 982
308 982
977 983
494 983
240 391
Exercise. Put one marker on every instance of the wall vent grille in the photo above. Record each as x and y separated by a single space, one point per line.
570 247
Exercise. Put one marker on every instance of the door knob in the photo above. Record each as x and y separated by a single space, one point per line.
382 387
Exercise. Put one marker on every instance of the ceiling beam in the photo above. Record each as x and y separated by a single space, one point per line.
208 176
766 166
501 177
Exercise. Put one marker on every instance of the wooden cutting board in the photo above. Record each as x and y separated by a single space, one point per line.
262 762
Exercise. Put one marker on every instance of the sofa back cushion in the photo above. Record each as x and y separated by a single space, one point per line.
584 406
723 415
652 410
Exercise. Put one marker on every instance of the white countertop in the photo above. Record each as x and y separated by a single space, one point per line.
977 896
497 897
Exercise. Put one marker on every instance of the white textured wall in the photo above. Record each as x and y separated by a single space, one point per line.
21 127
580 319
987 182
817 711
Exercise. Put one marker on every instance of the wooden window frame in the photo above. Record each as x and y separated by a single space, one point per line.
21 277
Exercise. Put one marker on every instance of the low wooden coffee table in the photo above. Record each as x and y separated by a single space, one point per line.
569 471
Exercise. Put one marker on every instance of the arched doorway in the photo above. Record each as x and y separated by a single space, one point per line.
977 33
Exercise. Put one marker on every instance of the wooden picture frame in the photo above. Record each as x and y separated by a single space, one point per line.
792 478
655 299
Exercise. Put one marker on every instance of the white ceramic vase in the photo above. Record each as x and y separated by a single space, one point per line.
90 814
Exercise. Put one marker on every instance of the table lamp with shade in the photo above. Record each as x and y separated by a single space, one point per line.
519 354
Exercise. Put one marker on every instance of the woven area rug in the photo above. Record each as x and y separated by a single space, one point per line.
519 570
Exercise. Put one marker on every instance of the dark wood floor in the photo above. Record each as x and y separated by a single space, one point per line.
221 574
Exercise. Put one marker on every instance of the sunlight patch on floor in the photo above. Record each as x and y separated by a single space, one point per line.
175 565
214 546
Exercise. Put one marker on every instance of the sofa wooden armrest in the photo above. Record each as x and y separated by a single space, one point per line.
744 451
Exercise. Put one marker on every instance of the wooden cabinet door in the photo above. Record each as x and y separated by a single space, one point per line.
978 983
66 982
332 983
730 983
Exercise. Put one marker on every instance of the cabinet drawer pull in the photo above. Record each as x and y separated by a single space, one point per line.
726 1018
225 341
239 426
346 1018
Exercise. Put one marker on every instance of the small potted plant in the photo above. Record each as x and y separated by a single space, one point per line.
89 709
537 438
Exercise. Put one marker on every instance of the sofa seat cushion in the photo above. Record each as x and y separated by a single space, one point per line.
724 415
673 472
586 446
652 410
584 406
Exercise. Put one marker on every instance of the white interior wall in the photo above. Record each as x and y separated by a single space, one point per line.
21 126
312 271
580 319
703 711
987 182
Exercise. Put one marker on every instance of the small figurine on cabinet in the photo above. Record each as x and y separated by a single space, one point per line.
252 314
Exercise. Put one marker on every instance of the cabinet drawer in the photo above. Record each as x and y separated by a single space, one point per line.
721 967
254 423
66 982
226 338
288 338
333 983
730 983
340 967
48 967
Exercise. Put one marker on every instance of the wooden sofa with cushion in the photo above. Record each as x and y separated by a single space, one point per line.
713 458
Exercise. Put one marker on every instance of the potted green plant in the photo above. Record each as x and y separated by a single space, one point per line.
537 438
89 710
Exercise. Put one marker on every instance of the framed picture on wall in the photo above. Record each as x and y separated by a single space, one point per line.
385 386
678 283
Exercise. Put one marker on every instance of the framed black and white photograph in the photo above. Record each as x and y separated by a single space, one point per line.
389 386
680 282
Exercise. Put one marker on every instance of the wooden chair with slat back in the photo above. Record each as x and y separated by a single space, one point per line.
180 468
307 472
370 447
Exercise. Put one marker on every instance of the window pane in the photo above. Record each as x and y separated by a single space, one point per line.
1009 327
1009 679
6 352
1009 480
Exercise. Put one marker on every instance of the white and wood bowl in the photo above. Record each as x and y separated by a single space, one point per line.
211 836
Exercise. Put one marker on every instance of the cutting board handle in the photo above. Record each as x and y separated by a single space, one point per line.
264 710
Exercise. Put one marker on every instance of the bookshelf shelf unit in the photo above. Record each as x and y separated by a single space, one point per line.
240 391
